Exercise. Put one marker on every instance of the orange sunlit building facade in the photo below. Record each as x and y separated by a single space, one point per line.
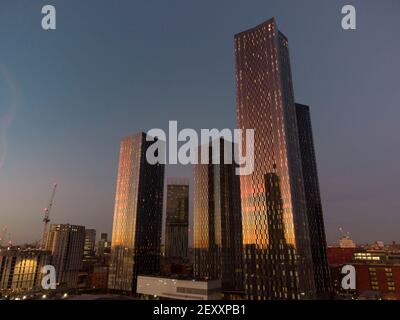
136 236
277 254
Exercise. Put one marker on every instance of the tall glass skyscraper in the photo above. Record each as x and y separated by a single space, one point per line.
217 224
136 237
277 254
313 202
177 220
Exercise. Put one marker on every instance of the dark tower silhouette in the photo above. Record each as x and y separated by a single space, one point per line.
218 224
313 202
177 220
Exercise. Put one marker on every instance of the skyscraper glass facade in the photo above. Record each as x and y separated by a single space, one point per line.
217 224
177 219
275 227
313 202
136 237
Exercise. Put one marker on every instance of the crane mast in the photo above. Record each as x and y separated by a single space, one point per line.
46 218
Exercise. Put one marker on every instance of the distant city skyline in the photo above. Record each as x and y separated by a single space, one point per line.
67 98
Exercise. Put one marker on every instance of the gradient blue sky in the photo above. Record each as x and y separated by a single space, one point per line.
113 68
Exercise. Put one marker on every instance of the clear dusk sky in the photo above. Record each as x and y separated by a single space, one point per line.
113 68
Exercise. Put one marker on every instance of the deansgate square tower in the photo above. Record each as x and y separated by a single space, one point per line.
136 236
277 254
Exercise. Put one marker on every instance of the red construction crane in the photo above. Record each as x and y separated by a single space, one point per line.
46 218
